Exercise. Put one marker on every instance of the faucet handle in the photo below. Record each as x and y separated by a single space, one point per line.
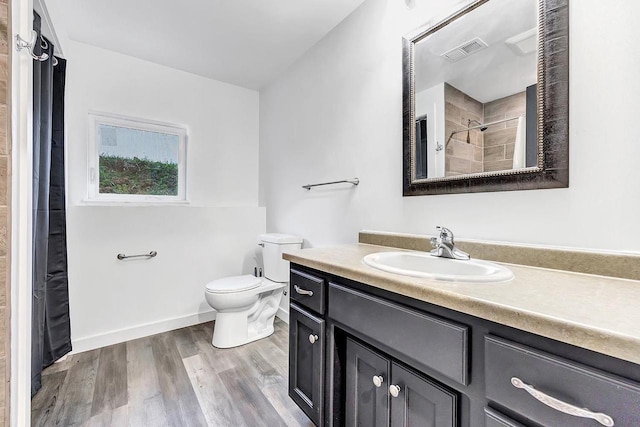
445 233
434 242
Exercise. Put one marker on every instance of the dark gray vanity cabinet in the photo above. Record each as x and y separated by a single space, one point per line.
306 362
380 392
363 356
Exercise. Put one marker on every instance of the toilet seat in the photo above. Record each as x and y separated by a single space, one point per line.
233 284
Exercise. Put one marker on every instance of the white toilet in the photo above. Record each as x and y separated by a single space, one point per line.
247 305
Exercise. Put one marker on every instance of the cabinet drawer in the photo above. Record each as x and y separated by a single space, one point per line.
433 342
557 381
307 290
496 419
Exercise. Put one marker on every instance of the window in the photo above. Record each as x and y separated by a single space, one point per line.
132 160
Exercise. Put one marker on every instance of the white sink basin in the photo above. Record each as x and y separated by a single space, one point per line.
423 264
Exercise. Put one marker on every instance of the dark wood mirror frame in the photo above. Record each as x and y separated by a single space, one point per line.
553 113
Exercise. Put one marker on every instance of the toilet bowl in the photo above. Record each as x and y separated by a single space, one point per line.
246 305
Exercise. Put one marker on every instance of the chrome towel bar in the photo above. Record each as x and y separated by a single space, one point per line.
149 255
354 181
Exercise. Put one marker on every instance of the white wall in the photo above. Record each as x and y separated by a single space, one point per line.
431 102
113 301
213 236
337 113
222 121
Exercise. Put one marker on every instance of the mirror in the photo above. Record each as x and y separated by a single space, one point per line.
485 96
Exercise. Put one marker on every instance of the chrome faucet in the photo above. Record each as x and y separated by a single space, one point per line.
444 246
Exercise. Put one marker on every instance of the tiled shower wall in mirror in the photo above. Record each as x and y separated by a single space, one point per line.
499 139
463 155
475 151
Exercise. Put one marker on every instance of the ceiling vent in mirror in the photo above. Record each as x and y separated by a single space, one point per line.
465 49
523 43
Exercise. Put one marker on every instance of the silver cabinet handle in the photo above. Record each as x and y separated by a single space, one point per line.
378 380
302 291
561 406
313 338
394 390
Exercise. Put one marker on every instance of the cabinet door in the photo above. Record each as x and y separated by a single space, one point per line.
306 362
420 402
367 378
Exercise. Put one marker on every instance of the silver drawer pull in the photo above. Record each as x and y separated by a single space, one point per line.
561 406
394 390
313 338
378 380
302 291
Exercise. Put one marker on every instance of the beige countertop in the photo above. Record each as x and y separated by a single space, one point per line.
594 312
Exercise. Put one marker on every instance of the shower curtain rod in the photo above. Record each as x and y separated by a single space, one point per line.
484 125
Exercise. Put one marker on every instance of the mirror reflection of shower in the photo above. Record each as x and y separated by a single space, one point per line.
478 136
477 86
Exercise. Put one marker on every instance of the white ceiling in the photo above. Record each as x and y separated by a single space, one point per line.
489 74
243 42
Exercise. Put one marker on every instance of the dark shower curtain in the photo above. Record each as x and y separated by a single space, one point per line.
421 147
51 330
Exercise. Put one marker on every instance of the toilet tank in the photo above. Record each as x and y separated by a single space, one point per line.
274 245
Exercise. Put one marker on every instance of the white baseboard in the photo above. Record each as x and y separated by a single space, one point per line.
283 315
121 335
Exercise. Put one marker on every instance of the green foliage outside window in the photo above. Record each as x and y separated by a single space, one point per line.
120 175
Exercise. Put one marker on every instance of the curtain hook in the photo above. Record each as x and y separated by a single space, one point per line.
44 44
28 45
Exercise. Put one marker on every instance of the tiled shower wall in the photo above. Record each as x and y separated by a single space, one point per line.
5 179
499 139
486 151
462 157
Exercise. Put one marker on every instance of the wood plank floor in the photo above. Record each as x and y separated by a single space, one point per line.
175 378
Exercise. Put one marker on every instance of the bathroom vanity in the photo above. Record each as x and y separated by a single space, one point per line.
372 348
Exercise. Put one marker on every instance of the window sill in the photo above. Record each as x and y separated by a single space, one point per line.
157 203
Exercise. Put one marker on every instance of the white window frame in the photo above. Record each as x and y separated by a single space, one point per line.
93 180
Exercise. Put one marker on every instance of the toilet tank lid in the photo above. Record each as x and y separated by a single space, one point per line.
280 239
233 284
